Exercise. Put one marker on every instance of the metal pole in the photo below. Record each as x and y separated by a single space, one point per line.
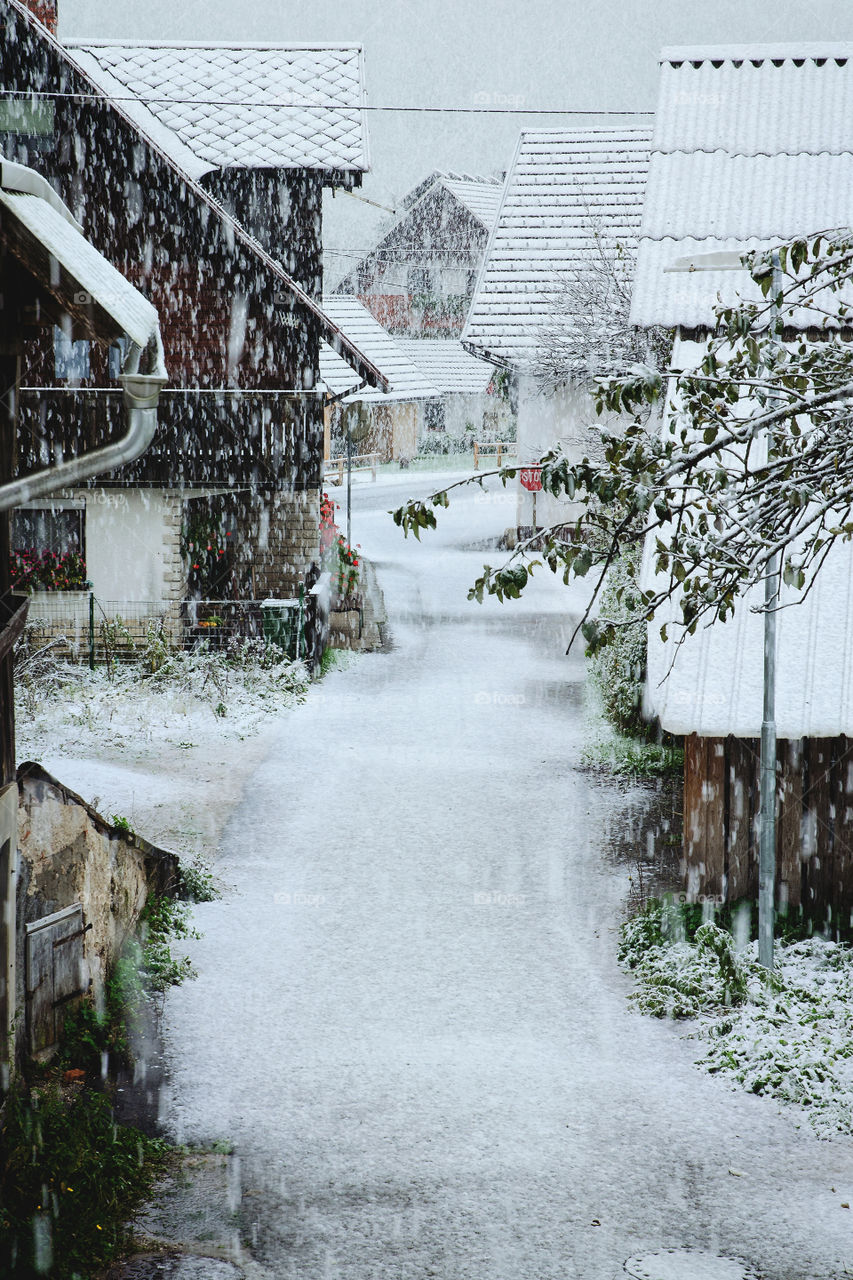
91 631
349 485
767 837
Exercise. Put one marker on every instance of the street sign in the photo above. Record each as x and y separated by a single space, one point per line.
531 479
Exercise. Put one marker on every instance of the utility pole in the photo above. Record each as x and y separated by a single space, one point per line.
727 261
767 834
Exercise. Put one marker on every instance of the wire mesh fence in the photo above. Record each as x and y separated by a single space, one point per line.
82 627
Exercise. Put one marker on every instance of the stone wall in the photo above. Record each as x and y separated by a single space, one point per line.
280 540
68 853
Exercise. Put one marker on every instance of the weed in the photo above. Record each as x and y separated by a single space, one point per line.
163 920
198 883
123 825
634 758
69 1178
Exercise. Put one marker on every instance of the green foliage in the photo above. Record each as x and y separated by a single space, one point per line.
163 920
618 670
701 488
635 758
69 1179
116 641
123 825
158 645
197 881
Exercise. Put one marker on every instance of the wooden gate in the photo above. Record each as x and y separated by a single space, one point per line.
57 974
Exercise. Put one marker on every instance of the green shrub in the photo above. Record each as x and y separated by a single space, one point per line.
618 670
69 1179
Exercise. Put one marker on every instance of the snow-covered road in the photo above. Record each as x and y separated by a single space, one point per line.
409 1018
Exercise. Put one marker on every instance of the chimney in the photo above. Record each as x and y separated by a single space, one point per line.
45 11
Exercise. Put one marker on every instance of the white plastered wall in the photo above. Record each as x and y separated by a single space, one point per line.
133 544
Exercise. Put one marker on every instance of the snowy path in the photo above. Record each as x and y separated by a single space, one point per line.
409 1016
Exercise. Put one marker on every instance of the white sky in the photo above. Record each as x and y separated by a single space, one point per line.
582 54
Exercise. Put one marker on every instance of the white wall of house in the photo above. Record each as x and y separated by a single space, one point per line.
133 544
546 419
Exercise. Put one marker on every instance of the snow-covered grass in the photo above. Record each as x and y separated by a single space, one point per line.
787 1034
168 750
243 685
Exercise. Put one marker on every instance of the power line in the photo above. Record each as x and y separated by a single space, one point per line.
316 106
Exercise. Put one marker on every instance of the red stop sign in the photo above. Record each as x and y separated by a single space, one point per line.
531 478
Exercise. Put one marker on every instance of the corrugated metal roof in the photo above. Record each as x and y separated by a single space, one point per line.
568 192
447 364
715 686
239 106
405 380
753 145
132 312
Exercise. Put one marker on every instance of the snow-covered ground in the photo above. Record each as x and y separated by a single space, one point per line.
409 1015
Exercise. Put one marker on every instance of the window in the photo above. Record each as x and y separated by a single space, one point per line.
70 359
49 529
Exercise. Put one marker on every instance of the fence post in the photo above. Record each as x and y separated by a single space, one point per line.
476 456
500 453
373 458
91 631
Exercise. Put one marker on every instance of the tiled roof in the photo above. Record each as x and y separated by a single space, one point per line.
239 106
480 196
448 365
752 145
168 145
568 192
405 380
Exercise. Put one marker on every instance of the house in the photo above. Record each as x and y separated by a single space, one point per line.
387 423
473 399
419 278
70 885
753 145
238 453
569 217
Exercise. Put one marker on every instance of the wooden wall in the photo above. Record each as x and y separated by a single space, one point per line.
814 834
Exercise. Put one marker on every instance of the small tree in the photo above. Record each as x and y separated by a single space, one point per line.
716 501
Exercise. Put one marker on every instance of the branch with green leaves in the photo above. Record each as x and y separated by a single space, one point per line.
750 453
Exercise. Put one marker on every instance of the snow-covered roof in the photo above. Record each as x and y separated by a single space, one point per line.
567 192
753 145
715 686
239 106
74 267
447 364
480 196
405 380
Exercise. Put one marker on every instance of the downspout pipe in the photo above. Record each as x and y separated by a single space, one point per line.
141 393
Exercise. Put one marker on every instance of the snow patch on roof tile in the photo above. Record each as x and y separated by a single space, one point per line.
239 106
447 364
